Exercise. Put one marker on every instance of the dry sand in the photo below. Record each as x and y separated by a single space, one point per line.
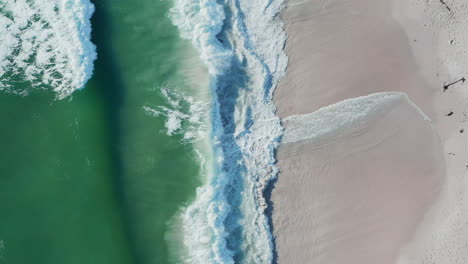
342 49
373 195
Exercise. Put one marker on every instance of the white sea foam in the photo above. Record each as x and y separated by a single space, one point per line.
184 115
261 38
204 236
45 44
200 21
346 116
253 36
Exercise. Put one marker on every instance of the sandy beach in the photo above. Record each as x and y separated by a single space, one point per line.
364 182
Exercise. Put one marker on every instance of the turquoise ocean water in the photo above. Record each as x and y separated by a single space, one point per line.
159 151
93 178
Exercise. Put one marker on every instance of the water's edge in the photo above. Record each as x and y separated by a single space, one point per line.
241 43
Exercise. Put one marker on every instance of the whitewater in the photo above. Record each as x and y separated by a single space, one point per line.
241 44
46 45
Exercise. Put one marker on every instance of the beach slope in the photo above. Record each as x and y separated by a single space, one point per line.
373 159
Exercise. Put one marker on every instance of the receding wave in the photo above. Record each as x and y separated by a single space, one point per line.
241 43
45 45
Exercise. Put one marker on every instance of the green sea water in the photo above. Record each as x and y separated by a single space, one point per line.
91 178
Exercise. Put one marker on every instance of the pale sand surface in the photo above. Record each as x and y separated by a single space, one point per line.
357 196
352 200
342 49
443 236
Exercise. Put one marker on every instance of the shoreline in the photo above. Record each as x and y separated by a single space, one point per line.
241 46
339 50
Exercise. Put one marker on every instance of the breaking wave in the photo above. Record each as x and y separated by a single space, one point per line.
45 45
241 43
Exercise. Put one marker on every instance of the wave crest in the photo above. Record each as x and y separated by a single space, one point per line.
200 21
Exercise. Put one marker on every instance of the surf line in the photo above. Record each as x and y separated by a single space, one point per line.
241 43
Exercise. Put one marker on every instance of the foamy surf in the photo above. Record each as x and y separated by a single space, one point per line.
349 115
241 43
45 45
185 115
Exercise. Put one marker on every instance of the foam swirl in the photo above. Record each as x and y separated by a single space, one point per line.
45 45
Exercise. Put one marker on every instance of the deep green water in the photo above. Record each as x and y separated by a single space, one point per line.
91 179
